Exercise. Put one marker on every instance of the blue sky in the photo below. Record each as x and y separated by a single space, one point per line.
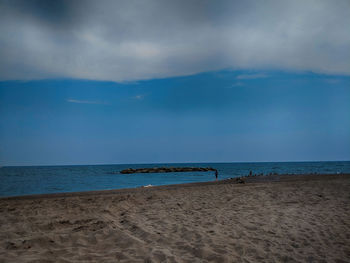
113 81
220 116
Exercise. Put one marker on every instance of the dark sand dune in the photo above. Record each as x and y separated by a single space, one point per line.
281 219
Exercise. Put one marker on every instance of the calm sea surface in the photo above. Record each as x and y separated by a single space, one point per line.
54 179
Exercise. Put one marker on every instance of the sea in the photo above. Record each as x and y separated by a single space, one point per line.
28 180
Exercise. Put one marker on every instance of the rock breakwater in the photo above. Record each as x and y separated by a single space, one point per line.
167 170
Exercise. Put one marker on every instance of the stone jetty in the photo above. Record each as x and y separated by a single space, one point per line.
167 170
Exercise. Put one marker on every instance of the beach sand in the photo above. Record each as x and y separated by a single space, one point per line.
267 219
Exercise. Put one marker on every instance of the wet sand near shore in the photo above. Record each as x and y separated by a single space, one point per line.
284 218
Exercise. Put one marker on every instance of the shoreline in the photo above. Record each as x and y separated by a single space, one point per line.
283 218
248 179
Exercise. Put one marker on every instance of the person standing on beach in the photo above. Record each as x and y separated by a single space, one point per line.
216 174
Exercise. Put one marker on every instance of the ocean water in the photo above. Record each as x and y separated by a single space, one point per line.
27 180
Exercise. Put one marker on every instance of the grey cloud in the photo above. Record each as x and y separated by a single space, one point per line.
252 76
134 40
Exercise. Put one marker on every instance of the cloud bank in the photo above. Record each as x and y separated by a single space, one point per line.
133 40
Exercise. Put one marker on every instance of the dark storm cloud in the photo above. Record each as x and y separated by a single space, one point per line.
55 13
132 40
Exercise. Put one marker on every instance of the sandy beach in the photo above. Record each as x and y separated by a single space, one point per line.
299 218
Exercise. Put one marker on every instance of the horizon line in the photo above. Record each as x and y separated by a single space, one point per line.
101 164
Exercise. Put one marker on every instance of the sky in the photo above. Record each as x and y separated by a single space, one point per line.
103 82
